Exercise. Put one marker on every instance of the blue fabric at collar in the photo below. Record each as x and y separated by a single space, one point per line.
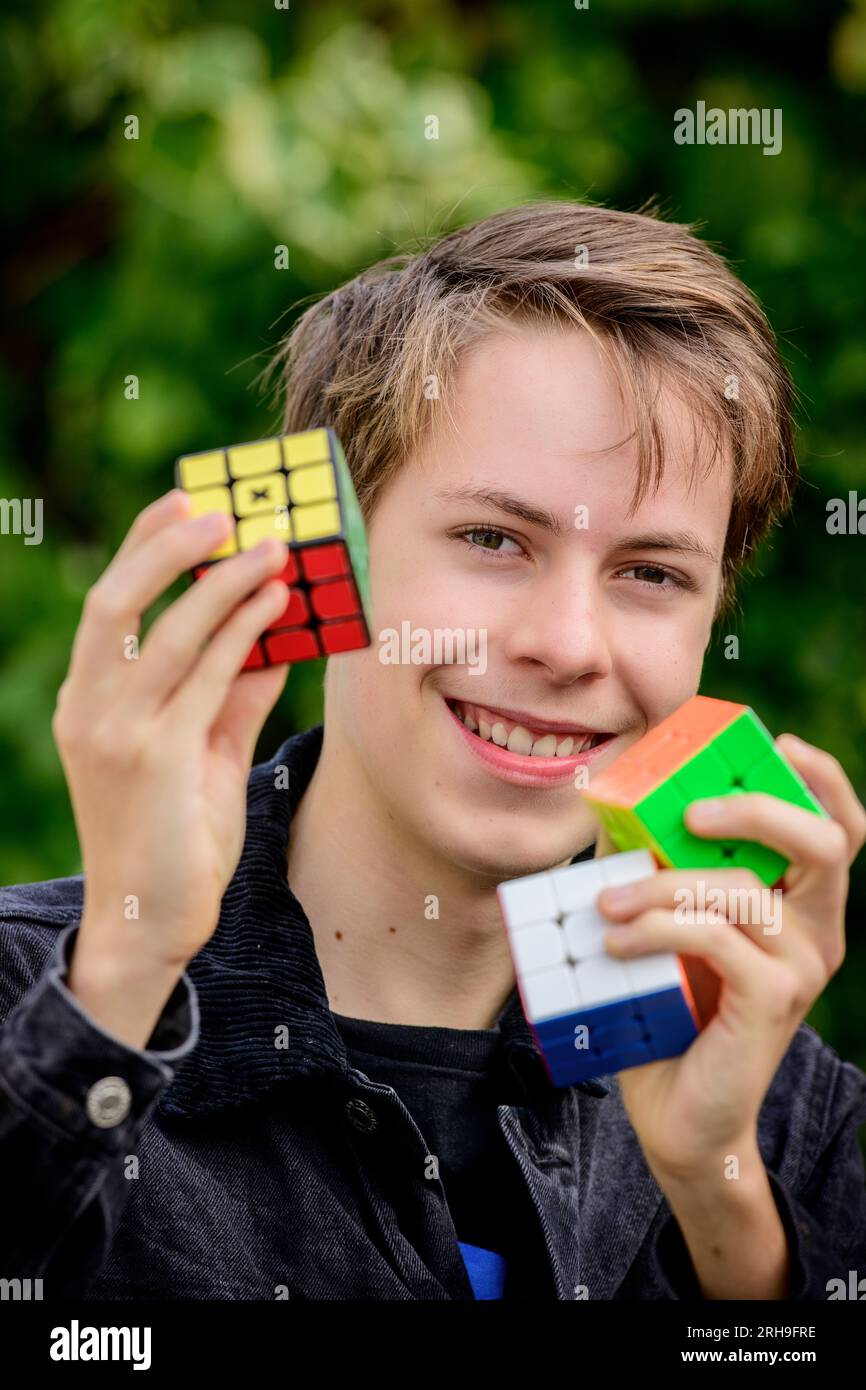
486 1270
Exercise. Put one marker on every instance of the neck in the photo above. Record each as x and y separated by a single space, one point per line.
401 935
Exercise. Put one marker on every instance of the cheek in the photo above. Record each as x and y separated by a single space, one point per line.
422 584
661 662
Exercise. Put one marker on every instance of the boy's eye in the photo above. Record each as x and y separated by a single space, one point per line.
654 576
490 539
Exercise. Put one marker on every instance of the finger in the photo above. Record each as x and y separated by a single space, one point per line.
729 952
175 641
784 989
800 835
172 506
245 709
114 606
169 507
204 692
828 781
737 896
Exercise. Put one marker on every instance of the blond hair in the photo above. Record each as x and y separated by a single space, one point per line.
663 306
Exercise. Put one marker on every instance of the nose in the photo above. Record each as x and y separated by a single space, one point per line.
560 624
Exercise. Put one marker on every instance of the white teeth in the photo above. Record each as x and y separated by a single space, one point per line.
519 741
544 747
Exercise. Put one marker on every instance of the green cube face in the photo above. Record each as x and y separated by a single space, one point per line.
741 758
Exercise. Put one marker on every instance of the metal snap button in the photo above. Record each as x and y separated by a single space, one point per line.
108 1102
360 1114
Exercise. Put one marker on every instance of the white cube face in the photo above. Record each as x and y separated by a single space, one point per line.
651 973
603 979
577 885
556 935
547 993
627 868
528 900
584 933
538 947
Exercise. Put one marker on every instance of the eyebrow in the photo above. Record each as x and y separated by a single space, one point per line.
684 542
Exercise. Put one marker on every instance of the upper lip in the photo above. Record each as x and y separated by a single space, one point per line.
530 721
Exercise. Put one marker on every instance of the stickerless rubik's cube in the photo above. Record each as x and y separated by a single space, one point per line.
706 748
296 487
592 1015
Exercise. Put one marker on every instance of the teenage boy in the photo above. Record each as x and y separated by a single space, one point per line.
269 1044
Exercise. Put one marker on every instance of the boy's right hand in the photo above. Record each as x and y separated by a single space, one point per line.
157 749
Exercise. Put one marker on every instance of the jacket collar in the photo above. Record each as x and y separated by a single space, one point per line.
265 1020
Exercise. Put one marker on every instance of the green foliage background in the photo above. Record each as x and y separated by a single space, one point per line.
305 126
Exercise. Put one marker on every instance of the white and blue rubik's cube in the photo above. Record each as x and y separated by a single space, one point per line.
592 1015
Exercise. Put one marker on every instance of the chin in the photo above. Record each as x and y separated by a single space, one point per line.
500 853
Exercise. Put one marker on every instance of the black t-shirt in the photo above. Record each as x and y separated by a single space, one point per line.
451 1080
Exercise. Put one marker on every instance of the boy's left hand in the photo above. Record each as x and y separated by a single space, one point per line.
754 986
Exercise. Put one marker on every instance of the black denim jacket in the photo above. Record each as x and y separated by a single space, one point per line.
239 1156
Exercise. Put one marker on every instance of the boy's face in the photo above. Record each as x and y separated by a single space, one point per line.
509 527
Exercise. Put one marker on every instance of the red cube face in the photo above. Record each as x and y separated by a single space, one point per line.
323 614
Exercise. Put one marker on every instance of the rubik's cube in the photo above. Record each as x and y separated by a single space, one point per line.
296 487
706 748
592 1015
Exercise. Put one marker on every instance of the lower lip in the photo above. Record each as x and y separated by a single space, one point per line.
520 770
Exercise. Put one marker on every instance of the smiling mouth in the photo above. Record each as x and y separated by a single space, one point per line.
550 741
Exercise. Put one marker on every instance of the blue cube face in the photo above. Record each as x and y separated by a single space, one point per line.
591 1014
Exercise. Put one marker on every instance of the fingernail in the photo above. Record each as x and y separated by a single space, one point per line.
797 742
617 936
706 810
211 521
620 897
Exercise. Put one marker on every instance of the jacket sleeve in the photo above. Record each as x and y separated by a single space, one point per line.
73 1100
822 1208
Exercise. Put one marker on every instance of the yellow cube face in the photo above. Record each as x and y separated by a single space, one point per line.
285 487
312 447
248 460
252 529
211 499
228 547
314 522
215 499
263 494
314 483
202 470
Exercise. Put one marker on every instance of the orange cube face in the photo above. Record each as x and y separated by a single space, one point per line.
706 748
